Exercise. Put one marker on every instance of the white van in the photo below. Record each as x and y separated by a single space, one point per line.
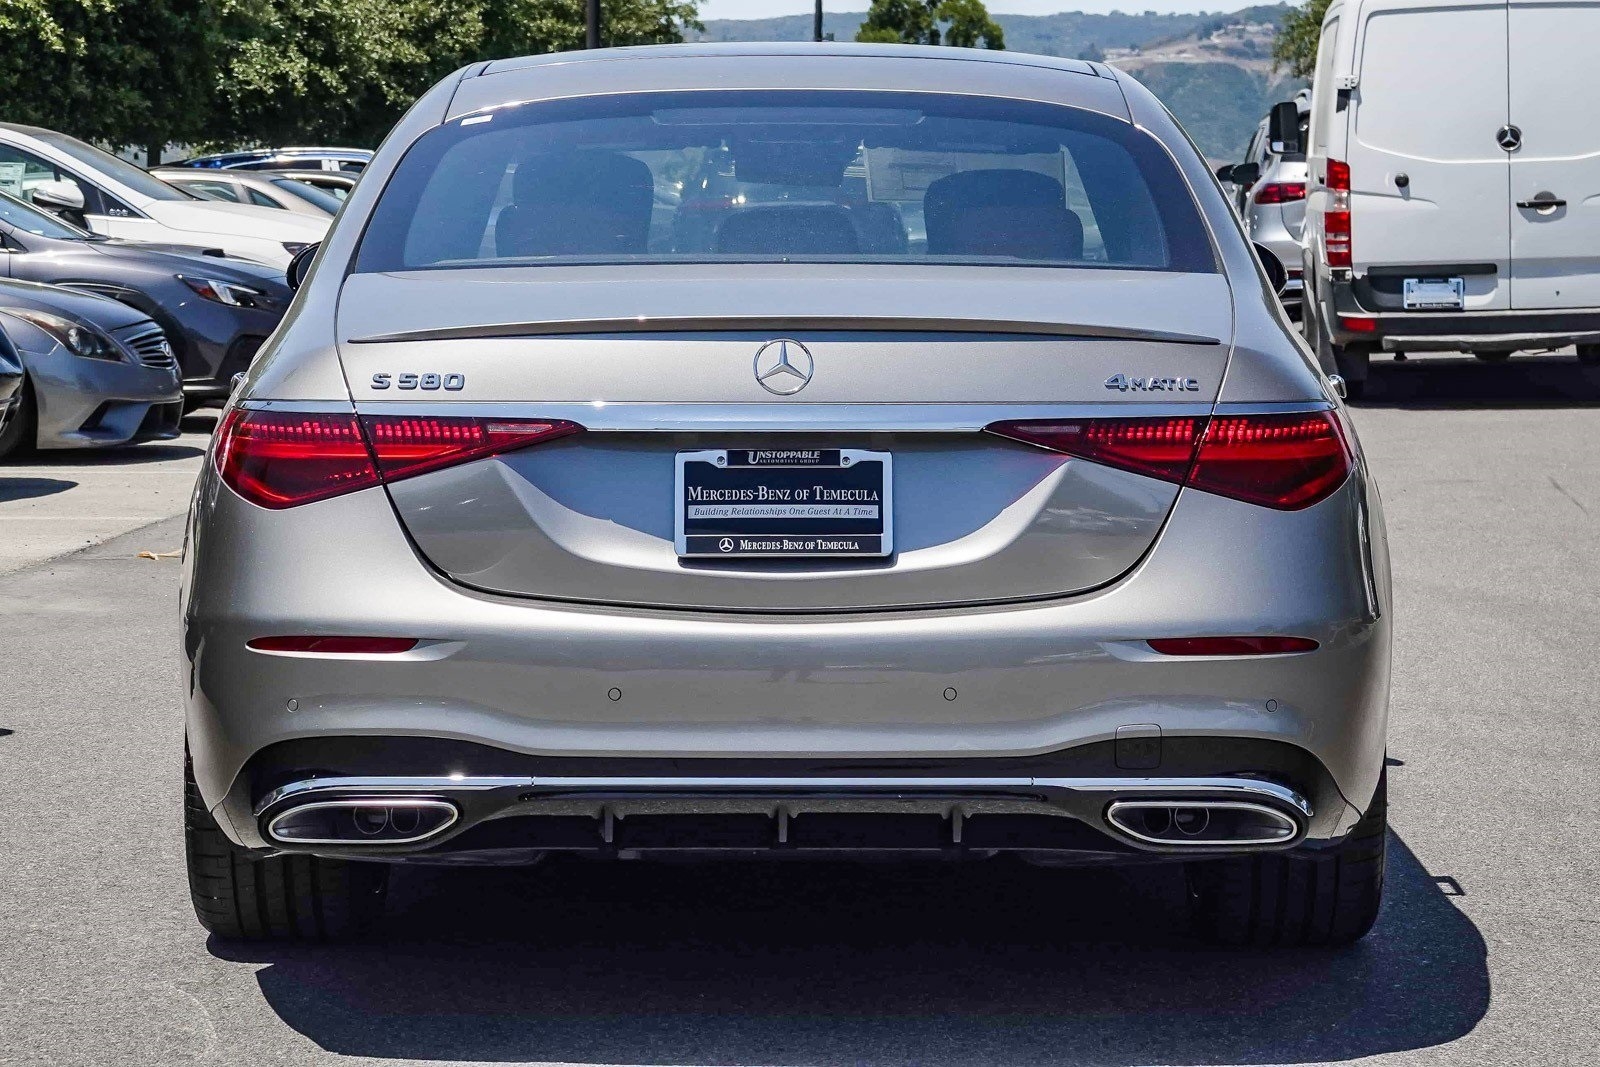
1454 188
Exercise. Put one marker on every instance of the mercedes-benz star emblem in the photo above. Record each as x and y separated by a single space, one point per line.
726 544
783 366
1509 138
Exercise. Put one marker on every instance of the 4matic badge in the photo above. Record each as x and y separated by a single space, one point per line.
1123 383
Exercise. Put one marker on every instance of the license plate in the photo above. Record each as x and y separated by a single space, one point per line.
1435 294
784 502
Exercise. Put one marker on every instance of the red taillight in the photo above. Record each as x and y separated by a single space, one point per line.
1282 461
280 459
1231 646
1280 192
1336 218
1359 323
1286 462
407 445
1162 448
332 646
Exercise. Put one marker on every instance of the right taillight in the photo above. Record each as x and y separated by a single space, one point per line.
1287 461
1282 461
1336 216
281 459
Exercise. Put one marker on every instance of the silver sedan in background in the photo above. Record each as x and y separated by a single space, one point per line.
97 372
953 487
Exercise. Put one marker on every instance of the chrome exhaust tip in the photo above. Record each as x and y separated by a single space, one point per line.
362 821
1200 823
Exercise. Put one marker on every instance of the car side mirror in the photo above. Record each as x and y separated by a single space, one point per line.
300 265
1225 172
58 196
1283 129
1244 175
1277 274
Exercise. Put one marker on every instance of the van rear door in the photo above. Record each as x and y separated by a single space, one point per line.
1430 97
1555 246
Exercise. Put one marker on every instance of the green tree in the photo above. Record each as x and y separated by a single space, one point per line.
120 72
1296 45
961 23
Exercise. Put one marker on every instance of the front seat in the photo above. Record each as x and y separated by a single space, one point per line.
584 203
1020 214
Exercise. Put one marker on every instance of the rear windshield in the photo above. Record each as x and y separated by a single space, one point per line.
786 175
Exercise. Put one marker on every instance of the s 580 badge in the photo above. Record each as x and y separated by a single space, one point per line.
453 382
1122 383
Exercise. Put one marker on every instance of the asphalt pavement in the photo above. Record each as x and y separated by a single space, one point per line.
1486 951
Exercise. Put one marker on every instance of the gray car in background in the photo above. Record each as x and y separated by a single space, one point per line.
97 372
985 507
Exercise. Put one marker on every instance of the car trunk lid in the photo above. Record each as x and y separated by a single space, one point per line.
908 362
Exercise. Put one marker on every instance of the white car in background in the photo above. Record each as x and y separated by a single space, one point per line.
118 199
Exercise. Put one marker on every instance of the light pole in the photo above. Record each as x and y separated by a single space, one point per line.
816 23
591 24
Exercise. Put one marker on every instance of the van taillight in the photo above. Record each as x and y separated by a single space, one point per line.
1280 192
1336 217
1283 461
280 459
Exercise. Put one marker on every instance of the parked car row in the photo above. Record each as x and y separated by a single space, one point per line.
125 298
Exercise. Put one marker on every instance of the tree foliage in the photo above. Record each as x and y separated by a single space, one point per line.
961 23
1296 46
150 72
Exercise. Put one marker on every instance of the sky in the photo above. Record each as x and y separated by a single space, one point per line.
757 9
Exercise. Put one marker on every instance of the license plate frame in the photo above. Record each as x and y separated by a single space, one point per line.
1434 294
783 526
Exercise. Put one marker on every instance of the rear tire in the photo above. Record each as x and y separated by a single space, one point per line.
1330 897
21 431
1589 355
239 897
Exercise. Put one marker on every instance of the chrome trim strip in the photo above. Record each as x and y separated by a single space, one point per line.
453 783
1149 788
782 417
1287 407
1292 830
778 324
792 417
357 802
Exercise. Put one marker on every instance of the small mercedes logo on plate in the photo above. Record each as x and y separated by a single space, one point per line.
726 544
783 366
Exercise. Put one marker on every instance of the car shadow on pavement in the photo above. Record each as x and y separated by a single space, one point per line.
26 488
120 456
862 964
1464 381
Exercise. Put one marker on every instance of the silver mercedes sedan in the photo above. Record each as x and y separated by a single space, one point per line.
772 451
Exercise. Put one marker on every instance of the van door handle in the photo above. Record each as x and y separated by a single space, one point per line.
1543 200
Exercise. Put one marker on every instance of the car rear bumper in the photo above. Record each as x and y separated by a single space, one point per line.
749 696
1393 330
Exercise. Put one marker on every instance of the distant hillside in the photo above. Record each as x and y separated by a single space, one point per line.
1213 70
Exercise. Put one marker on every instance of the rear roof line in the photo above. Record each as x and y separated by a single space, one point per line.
787 48
770 323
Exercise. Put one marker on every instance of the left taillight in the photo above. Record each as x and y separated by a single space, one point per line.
1285 461
281 459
